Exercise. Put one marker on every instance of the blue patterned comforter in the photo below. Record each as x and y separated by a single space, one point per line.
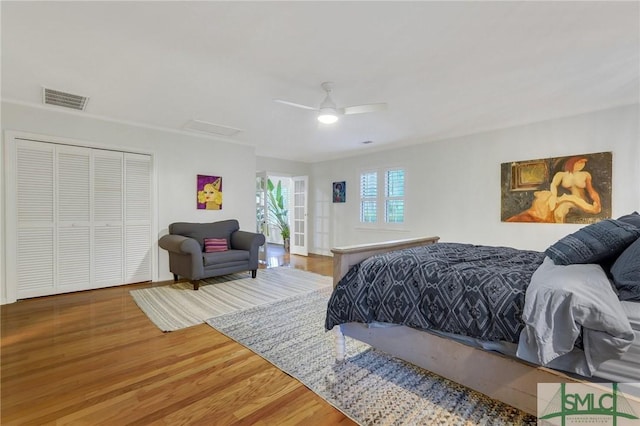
476 291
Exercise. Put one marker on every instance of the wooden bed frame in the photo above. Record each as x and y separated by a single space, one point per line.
506 379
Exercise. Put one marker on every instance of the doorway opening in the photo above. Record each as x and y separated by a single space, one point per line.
281 213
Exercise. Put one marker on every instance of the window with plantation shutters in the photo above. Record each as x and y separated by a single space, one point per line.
299 242
388 204
394 196
369 197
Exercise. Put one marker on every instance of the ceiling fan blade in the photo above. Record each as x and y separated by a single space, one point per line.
293 104
359 109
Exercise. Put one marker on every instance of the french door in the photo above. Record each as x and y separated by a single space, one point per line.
297 200
299 240
262 213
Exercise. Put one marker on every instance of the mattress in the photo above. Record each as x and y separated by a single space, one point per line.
623 370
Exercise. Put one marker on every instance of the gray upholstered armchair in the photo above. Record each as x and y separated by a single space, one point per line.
204 250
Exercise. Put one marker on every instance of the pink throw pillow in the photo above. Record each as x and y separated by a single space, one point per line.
212 245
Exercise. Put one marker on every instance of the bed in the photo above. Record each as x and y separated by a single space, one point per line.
492 358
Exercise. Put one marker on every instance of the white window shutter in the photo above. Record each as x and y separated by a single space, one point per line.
394 196
368 197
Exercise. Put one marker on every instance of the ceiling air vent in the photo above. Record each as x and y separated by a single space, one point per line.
210 128
63 99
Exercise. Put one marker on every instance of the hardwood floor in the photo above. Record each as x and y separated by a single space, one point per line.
94 358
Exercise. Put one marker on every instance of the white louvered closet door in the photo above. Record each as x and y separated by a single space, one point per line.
137 231
108 247
77 218
74 218
34 197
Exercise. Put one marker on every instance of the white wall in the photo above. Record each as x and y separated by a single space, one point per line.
453 186
278 167
178 158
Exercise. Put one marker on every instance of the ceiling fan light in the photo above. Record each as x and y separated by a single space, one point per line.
328 115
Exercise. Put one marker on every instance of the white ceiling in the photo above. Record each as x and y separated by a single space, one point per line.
444 68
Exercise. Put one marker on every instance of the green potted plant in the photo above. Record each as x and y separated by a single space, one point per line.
277 211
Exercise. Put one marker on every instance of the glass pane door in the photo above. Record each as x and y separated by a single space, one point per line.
261 213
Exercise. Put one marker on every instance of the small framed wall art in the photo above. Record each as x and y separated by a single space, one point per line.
209 192
339 192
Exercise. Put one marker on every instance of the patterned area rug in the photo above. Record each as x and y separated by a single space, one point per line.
176 306
369 386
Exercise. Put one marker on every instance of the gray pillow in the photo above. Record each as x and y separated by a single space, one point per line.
633 219
593 243
626 273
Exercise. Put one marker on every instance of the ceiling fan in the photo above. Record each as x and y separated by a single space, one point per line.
328 113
